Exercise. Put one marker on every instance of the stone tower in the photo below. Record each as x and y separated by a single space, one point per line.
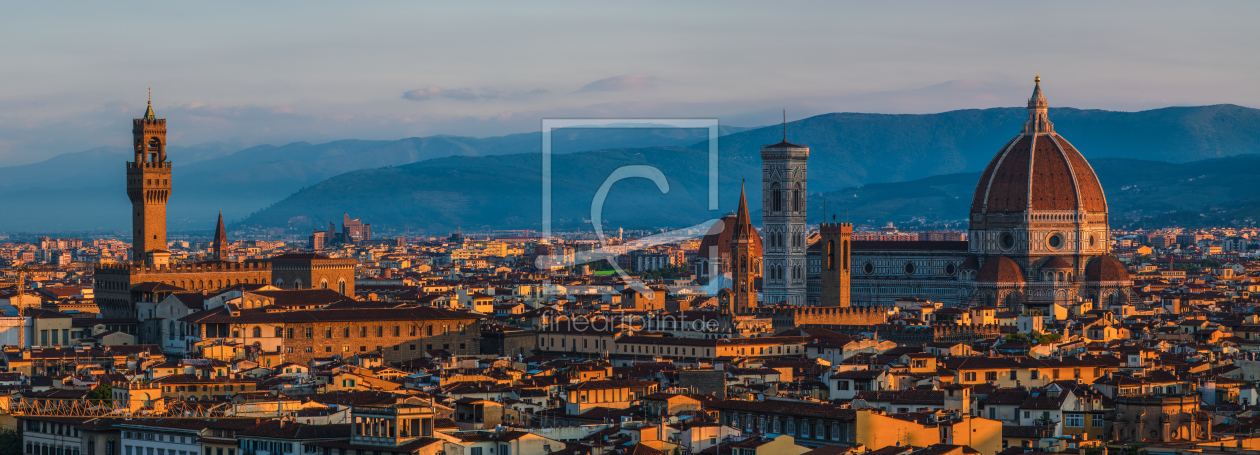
745 263
783 216
220 240
148 187
836 238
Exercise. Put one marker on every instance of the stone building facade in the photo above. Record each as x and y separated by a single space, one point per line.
312 271
398 334
114 282
786 317
1162 418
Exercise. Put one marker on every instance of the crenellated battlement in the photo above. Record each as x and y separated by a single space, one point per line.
148 123
787 318
827 229
824 310
164 165
203 267
917 334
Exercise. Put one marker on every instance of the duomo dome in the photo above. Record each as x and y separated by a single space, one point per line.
1038 170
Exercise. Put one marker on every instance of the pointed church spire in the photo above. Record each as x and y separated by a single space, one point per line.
1038 120
743 222
148 113
220 240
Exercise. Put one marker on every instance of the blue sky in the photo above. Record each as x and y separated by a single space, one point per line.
276 72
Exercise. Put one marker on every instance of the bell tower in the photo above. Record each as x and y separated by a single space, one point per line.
836 240
745 263
783 212
148 187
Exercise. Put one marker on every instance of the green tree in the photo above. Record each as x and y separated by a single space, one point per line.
102 392
1048 338
10 442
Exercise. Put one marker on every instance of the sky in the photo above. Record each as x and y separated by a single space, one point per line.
248 73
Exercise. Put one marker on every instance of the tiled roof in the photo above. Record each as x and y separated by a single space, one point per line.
787 408
260 315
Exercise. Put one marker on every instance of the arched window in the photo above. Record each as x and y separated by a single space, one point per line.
797 199
257 332
323 284
171 331
280 283
831 255
776 198
341 286
743 264
845 259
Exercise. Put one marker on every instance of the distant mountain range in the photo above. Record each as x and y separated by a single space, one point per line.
436 196
927 152
86 190
441 182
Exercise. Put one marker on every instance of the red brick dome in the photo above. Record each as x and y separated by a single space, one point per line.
1038 170
1000 269
1106 268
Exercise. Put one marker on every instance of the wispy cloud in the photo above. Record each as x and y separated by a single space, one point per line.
620 83
468 94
